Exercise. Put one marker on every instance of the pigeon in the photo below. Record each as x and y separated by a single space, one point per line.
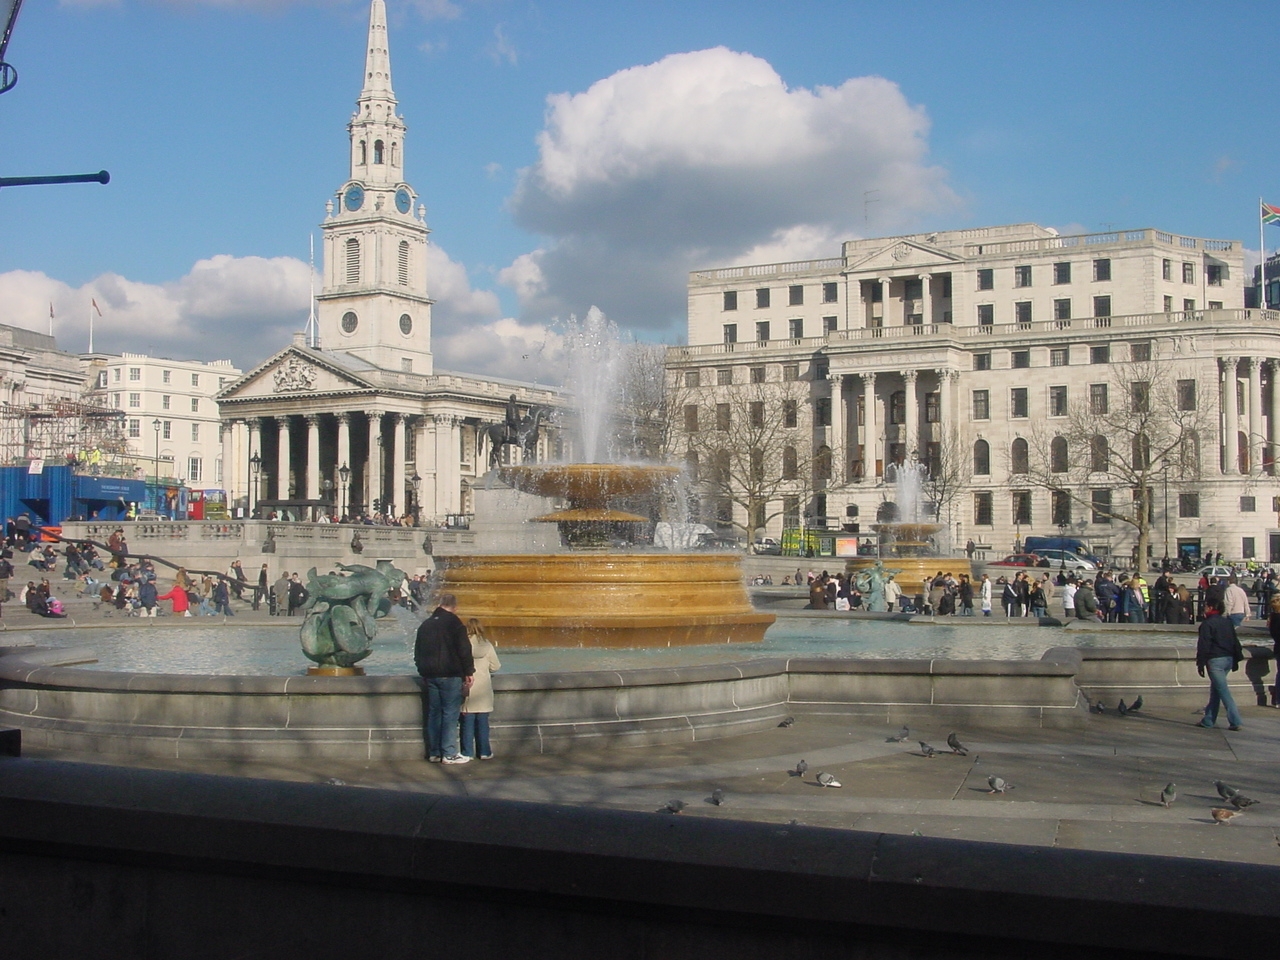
1136 705
998 784
1224 816
927 750
903 736
1169 794
1097 707
717 796
1240 801
335 782
956 746
787 721
802 768
827 780
1225 790
674 806
1122 709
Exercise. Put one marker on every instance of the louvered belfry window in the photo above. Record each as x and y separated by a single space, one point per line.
404 263
353 260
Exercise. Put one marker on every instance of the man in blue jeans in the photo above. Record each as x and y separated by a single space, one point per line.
442 654
1218 650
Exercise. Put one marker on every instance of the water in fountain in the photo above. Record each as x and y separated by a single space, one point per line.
908 492
595 359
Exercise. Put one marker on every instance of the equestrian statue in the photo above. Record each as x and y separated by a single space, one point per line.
520 431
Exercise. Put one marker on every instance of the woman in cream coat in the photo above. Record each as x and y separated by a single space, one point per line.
479 702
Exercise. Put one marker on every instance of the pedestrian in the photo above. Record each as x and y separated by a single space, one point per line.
479 701
261 591
1069 598
892 592
986 595
1235 601
1218 650
442 654
147 597
966 595
177 595
1086 602
222 597
1009 599
280 595
298 594
1273 627
238 580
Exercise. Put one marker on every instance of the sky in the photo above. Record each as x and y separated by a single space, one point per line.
573 154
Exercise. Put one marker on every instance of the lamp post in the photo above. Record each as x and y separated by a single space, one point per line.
1164 469
156 425
344 477
416 481
327 486
255 467
1063 525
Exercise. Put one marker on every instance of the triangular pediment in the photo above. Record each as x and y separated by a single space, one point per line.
294 371
903 255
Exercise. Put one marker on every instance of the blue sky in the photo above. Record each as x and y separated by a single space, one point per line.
679 135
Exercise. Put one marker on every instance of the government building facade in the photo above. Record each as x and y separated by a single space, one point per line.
354 413
972 350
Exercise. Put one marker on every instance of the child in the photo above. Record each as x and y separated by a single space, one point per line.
479 702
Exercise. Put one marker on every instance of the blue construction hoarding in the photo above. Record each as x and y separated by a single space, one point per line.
53 493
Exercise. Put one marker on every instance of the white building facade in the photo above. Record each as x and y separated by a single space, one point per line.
979 339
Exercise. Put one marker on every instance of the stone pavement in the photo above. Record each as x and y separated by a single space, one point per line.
1095 789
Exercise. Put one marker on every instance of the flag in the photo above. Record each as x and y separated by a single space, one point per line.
1270 214
50 309
95 306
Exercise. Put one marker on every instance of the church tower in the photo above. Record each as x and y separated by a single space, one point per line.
374 302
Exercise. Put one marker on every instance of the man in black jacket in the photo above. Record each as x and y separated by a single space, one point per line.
1218 651
442 654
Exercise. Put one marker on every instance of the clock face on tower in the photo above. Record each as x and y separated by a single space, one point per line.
403 200
354 197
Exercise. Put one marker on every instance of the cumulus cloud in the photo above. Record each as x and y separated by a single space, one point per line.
708 158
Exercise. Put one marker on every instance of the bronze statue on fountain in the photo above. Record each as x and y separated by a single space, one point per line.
517 430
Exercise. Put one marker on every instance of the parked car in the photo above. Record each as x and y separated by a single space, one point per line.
767 545
1065 559
1018 560
1221 572
150 518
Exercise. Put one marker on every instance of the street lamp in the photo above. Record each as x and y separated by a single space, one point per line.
327 485
156 425
344 476
416 481
1063 526
1164 469
255 467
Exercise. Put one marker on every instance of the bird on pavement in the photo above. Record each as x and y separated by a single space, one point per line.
1136 705
827 780
1225 790
717 796
1224 816
927 750
1240 801
1097 707
787 721
956 746
998 784
674 806
802 768
1121 708
1169 794
903 736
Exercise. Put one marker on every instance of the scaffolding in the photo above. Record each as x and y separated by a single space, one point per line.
89 437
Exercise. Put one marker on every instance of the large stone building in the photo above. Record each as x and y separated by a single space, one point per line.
360 391
977 346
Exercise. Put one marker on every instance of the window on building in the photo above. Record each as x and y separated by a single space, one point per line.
790 371
1058 455
757 374
790 413
1099 454
102 379
1188 304
116 400
722 416
195 433
1189 504
165 375
1100 354
402 271
165 401
1020 359
1062 308
1102 269
795 295
1019 456
731 300
1102 306
1188 273
986 279
693 378
762 331
877 291
691 465
757 413
1140 351
730 333
982 509
986 314
217 471
1018 403
981 458
1098 400
1215 305
115 375
820 369
1061 507
796 328
933 408
982 361
691 418
1213 274
982 404
1248 548
1022 312
1022 507
353 260
1140 396
789 470
1059 356
1022 275
195 404
898 407
830 292
829 324
135 428
724 376
1166 269
166 430
1168 304
195 469
762 298
1248 504
1100 506
1058 401
135 373
1186 395
912 288
822 464
1062 273
135 399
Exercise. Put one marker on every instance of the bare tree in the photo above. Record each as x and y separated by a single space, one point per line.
652 400
950 465
1114 445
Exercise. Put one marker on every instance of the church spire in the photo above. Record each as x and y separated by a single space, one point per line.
377 133
377 60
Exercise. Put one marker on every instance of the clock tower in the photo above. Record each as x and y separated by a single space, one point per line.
374 302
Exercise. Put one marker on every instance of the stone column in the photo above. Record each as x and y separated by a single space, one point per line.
313 456
839 431
447 453
946 400
344 442
229 476
886 284
373 471
869 432
428 468
926 298
283 467
253 446
912 415
1256 434
420 467
398 495
1273 422
1230 418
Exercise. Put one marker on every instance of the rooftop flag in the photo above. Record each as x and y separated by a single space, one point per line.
1270 214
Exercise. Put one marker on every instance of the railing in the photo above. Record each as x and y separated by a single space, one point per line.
769 269
1111 238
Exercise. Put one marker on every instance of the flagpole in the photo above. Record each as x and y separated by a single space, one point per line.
1262 264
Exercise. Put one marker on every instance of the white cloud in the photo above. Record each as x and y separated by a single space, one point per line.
700 159
502 50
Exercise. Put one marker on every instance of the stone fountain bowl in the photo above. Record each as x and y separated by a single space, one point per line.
589 484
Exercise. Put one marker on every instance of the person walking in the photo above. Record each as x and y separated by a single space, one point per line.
442 655
280 595
479 702
1236 601
222 597
1273 627
178 596
1069 599
1218 650
892 593
986 595
239 580
261 591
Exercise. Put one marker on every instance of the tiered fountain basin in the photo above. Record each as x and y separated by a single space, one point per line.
906 551
602 599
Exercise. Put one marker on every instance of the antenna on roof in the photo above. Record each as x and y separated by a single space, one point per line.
312 335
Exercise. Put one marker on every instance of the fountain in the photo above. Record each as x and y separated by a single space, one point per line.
590 593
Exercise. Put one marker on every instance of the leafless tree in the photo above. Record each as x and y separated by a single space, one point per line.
652 398
950 465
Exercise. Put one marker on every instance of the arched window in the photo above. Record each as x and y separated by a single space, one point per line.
1099 454
353 260
377 151
1020 461
1058 455
789 463
364 154
982 458
822 463
404 263
1141 452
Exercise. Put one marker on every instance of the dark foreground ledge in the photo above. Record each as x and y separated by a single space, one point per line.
111 862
